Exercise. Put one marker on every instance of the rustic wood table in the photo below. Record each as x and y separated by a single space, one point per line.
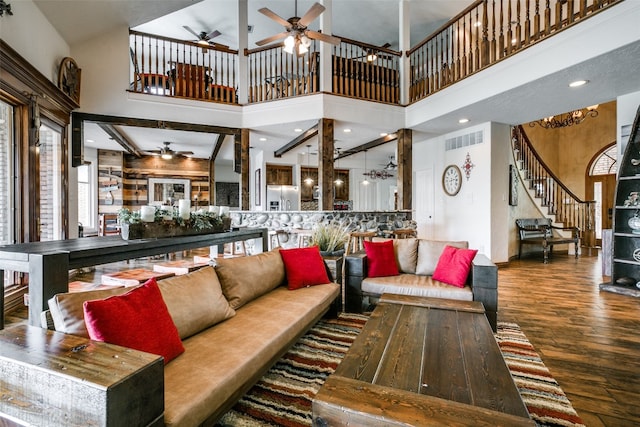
422 361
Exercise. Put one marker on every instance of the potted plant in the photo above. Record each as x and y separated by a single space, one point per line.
169 224
330 239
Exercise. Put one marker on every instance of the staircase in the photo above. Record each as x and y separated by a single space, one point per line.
551 196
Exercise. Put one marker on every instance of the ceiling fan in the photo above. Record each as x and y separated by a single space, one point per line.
296 33
167 153
391 165
372 54
203 38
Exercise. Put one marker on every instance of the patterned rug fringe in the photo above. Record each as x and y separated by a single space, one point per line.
283 396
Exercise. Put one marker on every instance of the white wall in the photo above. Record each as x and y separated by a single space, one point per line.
478 212
626 109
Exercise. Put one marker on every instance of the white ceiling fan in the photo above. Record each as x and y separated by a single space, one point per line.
167 153
296 35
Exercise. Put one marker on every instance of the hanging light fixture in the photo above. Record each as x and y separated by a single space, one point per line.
567 119
337 181
308 180
365 182
374 174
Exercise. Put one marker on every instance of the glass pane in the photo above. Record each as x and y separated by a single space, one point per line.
50 184
597 196
6 199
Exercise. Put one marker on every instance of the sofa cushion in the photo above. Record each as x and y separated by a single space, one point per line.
429 252
412 284
454 265
381 259
220 363
138 319
195 301
246 278
304 267
67 312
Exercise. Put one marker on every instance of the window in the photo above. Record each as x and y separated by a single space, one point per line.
86 216
6 197
50 154
606 164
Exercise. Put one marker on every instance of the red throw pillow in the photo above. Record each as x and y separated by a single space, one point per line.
138 319
454 265
381 259
304 267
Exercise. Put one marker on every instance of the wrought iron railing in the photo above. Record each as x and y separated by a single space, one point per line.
170 67
485 33
559 201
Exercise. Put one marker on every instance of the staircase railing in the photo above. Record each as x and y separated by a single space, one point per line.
561 202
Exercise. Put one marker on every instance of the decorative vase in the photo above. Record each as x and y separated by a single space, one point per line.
634 223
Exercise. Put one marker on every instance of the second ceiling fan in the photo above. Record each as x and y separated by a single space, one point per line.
297 37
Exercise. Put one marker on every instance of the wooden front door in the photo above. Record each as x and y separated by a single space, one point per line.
602 189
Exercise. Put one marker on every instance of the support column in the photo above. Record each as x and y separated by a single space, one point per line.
243 43
326 49
325 164
405 168
404 45
244 169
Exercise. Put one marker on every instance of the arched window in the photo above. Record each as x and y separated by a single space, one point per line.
606 163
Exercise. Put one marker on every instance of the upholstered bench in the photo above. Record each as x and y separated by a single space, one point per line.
539 231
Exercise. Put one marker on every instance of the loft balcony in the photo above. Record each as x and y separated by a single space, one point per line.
483 34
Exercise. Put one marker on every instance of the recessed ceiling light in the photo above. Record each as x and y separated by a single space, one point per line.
90 140
347 130
463 121
383 134
263 139
297 130
578 83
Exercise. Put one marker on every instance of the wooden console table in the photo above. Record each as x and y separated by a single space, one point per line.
48 263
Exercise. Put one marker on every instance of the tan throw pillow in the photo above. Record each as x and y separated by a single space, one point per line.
246 278
406 254
195 301
67 312
429 252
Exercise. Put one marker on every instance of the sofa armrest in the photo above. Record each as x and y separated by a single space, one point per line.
355 270
484 284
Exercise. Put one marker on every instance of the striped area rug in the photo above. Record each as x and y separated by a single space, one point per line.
283 396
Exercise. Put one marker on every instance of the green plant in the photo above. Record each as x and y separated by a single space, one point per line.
330 237
126 216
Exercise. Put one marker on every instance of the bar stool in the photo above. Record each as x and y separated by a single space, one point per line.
356 239
403 233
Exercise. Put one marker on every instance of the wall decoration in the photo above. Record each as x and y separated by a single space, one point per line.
513 186
467 166
451 180
69 78
168 191
257 187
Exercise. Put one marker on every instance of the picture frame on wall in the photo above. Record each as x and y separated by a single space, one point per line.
257 187
513 186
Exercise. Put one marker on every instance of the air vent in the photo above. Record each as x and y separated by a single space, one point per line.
461 141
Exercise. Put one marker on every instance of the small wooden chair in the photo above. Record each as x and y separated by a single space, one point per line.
403 233
356 239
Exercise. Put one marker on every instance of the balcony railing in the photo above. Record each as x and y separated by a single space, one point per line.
483 34
487 32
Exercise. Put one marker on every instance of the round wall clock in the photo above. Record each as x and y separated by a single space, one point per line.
451 180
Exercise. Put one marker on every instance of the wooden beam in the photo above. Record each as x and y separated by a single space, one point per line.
118 137
212 168
325 164
244 170
367 146
217 147
300 139
405 168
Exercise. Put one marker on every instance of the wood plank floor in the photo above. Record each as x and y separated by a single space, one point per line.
590 340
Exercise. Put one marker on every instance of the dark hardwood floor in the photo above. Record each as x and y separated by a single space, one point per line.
590 340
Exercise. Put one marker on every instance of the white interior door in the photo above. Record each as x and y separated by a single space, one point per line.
424 197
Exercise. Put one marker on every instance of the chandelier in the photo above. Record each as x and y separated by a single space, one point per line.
374 174
567 119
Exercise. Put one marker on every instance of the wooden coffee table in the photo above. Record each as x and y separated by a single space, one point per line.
422 361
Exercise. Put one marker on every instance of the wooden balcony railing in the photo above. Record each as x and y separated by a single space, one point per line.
552 193
485 33
275 74
365 71
170 67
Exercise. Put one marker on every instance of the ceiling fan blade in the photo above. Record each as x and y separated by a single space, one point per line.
267 12
212 34
272 38
311 14
183 153
322 37
186 27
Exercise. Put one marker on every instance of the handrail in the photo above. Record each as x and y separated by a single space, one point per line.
378 49
560 201
187 42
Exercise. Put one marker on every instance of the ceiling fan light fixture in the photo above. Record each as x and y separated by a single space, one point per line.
289 43
302 49
166 156
371 57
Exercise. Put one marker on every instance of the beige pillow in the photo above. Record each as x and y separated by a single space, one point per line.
195 301
67 312
246 278
406 254
429 252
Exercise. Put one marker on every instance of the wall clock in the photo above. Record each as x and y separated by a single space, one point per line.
451 180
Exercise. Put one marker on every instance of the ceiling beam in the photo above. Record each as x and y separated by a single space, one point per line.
367 146
217 147
300 139
118 137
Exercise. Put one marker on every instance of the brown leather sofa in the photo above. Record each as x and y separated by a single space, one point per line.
235 322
